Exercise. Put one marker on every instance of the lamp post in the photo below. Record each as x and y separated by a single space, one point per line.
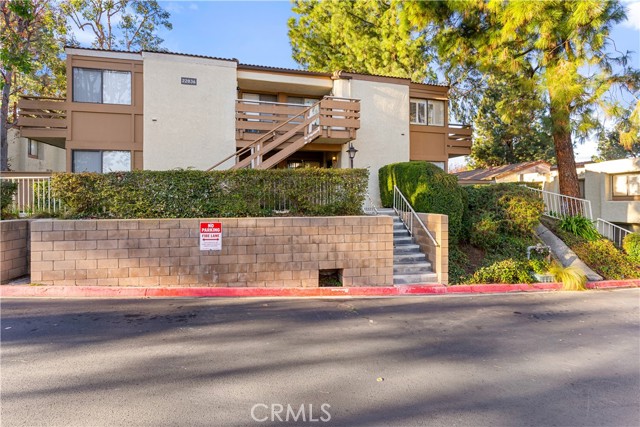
352 153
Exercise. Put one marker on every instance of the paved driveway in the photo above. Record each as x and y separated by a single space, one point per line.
561 359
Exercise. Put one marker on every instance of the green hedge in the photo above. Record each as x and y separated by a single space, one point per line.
196 194
7 190
428 188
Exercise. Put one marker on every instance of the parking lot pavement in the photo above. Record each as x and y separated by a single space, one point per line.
563 358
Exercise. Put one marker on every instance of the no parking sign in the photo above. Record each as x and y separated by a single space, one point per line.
210 236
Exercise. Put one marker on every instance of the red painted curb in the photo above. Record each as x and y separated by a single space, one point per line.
426 289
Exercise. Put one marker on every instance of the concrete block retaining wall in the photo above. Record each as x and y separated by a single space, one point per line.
14 249
262 252
438 226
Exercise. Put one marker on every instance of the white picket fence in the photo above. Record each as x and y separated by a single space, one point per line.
33 195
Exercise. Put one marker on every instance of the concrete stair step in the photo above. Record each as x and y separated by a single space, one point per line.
408 258
402 240
406 249
416 268
412 279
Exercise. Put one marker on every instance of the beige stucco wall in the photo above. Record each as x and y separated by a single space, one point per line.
188 126
50 158
383 136
598 189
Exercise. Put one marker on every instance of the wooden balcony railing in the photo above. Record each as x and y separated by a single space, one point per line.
43 119
338 118
459 139
280 130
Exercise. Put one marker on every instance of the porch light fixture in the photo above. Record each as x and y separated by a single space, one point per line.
352 153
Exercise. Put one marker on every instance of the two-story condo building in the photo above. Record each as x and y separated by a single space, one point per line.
160 110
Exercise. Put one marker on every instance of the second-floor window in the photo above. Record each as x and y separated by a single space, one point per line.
426 112
101 86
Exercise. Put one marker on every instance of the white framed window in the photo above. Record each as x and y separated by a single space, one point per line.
101 161
626 186
101 86
426 112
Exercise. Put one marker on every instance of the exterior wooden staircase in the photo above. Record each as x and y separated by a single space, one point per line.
267 133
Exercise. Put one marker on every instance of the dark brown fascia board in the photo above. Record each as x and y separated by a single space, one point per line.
280 70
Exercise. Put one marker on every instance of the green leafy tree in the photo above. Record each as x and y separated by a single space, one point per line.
120 24
546 45
365 36
510 127
31 42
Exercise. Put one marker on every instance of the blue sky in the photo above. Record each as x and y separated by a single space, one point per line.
255 32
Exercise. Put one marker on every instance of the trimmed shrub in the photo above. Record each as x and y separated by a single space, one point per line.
485 232
198 194
7 190
580 226
631 245
505 271
516 209
428 188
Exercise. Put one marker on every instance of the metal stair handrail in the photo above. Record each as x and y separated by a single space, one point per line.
405 212
369 207
558 205
267 135
611 231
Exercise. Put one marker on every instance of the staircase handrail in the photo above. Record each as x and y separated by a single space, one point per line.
267 135
369 205
612 230
559 205
402 207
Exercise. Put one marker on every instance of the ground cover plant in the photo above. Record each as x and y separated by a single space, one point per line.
599 254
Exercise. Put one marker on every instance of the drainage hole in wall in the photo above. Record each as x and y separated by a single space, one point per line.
330 278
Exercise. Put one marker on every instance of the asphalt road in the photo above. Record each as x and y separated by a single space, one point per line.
557 359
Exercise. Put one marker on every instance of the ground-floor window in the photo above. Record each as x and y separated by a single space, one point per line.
626 186
101 161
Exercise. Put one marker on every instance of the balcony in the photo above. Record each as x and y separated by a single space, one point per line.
459 139
338 119
43 119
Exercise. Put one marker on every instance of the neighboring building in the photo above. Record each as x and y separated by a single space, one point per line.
158 110
28 155
612 187
532 172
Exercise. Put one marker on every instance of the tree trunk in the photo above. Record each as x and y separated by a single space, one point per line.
4 125
567 174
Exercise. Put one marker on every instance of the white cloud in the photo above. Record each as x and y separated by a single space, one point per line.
633 15
193 6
